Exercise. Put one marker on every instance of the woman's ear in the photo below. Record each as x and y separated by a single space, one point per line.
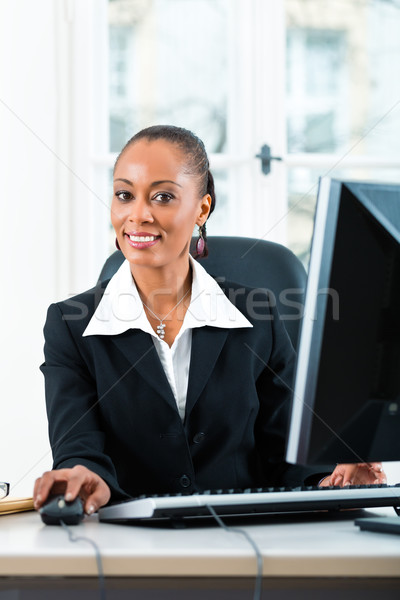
205 207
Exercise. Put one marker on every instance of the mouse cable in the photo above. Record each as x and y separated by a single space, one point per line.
74 538
258 583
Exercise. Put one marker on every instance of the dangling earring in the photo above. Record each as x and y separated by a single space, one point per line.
117 245
200 244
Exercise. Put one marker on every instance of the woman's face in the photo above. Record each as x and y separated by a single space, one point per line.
155 204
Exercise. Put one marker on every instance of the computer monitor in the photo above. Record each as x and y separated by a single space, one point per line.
346 399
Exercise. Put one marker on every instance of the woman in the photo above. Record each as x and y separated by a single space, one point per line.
156 381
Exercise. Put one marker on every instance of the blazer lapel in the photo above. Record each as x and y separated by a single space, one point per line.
207 343
138 348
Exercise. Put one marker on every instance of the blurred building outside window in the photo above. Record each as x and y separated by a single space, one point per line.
315 81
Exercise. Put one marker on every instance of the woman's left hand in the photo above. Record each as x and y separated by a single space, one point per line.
355 474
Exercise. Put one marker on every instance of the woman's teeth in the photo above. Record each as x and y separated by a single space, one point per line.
142 238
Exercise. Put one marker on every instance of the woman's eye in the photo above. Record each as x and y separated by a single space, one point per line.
124 196
163 198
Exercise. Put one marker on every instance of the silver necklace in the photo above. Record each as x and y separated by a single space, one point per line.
161 326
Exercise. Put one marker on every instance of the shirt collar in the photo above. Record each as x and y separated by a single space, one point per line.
121 308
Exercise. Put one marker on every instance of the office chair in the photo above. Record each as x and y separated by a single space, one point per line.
252 263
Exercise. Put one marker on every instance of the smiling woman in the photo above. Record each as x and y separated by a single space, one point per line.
160 194
153 188
161 380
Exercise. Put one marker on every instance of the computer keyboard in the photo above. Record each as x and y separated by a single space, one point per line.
253 501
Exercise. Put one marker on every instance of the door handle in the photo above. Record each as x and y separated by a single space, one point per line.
265 156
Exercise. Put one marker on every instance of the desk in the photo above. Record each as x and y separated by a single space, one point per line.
319 554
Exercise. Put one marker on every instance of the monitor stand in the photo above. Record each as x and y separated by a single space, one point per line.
380 524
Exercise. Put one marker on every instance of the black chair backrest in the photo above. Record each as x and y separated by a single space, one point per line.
255 264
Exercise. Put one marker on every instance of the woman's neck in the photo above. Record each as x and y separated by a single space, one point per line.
162 288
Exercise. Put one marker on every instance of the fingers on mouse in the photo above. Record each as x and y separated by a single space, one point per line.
57 509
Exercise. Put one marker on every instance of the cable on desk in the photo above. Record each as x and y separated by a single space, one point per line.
258 583
74 538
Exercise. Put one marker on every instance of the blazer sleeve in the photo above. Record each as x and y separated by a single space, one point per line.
275 388
75 429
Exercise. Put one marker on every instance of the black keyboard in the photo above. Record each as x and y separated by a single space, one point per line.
253 501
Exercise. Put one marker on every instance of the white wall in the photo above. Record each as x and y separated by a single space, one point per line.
28 111
54 228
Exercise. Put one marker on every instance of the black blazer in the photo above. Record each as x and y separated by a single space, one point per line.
110 406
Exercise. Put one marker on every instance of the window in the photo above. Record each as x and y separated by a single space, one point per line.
312 80
343 105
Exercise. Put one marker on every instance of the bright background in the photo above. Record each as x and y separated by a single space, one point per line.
316 81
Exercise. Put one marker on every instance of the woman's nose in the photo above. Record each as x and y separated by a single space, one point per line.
140 211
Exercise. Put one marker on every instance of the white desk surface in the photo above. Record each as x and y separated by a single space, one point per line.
297 547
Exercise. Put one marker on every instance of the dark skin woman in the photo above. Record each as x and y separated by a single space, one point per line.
163 190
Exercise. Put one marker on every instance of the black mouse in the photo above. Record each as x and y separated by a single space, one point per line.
57 509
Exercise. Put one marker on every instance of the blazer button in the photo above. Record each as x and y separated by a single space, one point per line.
185 481
198 437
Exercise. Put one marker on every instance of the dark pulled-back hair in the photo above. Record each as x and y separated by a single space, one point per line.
196 159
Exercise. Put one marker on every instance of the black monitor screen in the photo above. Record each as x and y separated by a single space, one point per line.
346 401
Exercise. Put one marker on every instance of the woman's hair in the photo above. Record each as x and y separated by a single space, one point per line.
196 160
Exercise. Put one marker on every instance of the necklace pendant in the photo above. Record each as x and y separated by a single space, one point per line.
160 328
160 331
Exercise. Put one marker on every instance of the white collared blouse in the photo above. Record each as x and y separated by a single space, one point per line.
121 309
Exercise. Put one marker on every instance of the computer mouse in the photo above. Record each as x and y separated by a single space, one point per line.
57 509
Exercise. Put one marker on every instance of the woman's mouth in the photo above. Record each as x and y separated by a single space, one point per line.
142 240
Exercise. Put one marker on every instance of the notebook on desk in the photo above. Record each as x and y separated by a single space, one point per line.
12 504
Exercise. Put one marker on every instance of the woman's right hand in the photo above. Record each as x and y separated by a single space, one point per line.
78 481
